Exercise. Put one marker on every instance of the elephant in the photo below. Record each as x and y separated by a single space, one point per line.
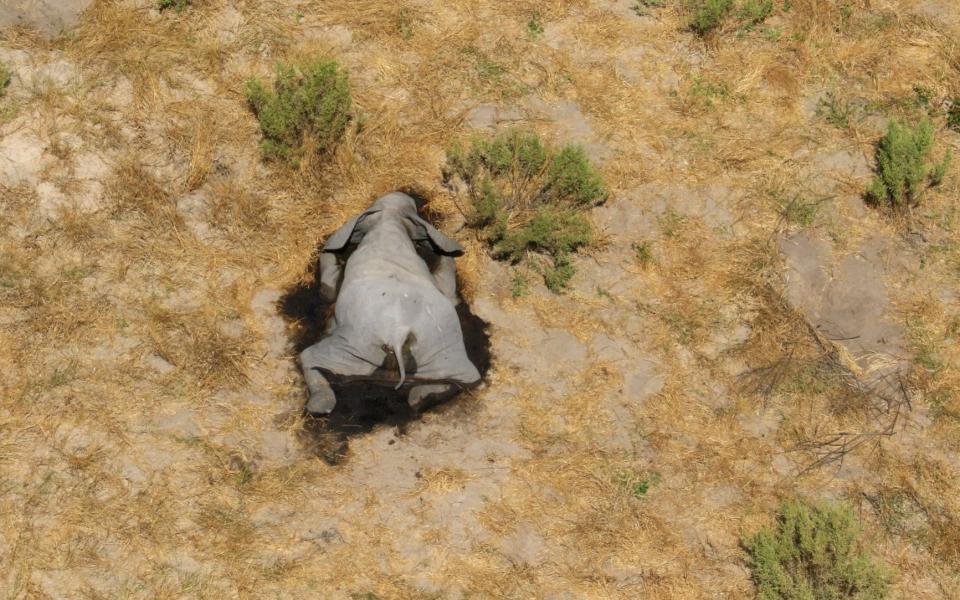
392 277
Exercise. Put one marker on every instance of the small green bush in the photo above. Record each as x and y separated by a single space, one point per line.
708 14
754 12
528 200
814 553
903 172
177 5
307 111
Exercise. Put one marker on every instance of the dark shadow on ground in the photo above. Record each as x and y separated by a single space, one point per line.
361 406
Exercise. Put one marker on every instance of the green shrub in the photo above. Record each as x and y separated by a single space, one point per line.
708 14
754 12
307 111
177 5
903 172
527 200
814 553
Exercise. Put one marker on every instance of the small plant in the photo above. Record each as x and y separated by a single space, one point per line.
953 115
636 484
754 12
527 200
518 285
306 113
924 96
643 253
814 553
535 26
177 5
641 7
5 77
903 172
708 15
405 23
707 92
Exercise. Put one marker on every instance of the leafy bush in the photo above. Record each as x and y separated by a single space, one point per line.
708 14
903 172
307 111
814 553
527 200
177 5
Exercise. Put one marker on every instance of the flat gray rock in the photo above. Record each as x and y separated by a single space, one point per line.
50 17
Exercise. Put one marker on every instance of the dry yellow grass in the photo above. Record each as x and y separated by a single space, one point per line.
150 419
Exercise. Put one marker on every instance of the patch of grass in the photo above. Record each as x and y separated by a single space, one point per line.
535 26
708 91
405 23
671 222
307 111
709 14
923 96
641 7
635 484
814 553
643 252
754 12
528 200
838 111
177 5
5 77
903 169
518 285
953 115
797 210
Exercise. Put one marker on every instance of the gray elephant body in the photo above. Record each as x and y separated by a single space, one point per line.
395 319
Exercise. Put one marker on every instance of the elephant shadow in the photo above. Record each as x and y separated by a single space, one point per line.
362 406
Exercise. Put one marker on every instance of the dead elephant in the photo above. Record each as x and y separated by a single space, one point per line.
395 319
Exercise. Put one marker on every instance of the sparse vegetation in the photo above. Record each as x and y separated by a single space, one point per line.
753 12
5 77
527 201
177 5
709 14
953 115
838 111
814 553
535 26
903 167
643 253
642 7
307 112
518 285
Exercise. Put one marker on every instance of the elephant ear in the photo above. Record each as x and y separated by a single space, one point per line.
341 237
441 243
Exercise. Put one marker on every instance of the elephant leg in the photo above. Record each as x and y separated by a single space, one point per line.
451 366
334 355
418 394
445 275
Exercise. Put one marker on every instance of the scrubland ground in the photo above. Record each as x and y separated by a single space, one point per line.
747 332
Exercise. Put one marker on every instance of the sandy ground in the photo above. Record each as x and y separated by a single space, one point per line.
786 341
